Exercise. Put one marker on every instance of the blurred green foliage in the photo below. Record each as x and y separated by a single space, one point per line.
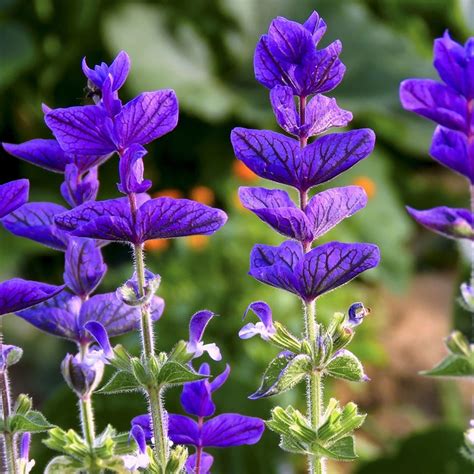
203 49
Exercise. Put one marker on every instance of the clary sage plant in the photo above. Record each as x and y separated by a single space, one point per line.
289 63
85 137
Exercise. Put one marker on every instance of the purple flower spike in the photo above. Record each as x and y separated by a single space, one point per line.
17 294
35 221
197 326
119 70
131 171
264 328
99 333
13 195
310 275
206 462
452 223
279 158
84 267
156 218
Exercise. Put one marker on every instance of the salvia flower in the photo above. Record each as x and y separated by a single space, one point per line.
25 464
449 104
101 336
13 195
264 328
356 313
221 431
197 326
140 459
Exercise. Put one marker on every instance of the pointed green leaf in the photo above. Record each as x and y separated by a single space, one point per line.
453 366
120 382
282 374
33 422
174 373
345 365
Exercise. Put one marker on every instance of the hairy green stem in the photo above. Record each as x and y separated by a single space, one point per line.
88 429
157 411
314 393
10 455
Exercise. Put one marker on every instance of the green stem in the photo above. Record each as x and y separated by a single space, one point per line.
10 456
157 411
88 430
314 393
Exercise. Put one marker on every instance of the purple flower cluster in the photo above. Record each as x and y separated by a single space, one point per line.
450 104
289 63
208 431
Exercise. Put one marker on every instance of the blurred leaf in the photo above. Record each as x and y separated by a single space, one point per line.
17 51
453 366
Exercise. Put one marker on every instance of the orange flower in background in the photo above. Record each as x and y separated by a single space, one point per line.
241 171
168 192
368 184
157 245
202 194
197 242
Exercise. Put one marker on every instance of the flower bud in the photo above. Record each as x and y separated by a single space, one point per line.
177 459
23 404
129 292
82 375
458 344
9 355
357 313
467 292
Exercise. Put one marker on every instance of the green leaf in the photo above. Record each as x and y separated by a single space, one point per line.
282 374
345 366
174 373
120 382
67 442
453 366
63 465
342 450
33 421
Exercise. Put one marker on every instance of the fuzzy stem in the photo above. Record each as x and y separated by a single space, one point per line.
88 429
314 392
156 409
9 454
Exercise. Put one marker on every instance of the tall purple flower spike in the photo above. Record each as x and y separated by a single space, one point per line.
312 274
264 328
222 431
159 218
65 315
13 195
448 104
197 326
17 294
